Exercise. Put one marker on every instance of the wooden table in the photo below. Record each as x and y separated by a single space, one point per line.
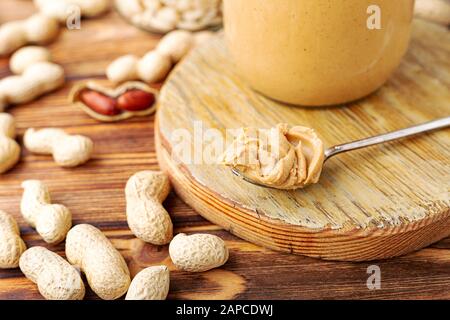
95 194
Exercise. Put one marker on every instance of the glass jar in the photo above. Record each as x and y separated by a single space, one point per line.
317 52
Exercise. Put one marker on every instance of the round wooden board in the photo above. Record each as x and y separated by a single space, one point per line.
370 204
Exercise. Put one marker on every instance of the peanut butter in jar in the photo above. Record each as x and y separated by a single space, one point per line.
317 52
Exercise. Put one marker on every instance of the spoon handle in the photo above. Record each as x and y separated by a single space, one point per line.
382 138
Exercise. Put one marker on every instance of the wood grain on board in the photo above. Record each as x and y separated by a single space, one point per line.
94 193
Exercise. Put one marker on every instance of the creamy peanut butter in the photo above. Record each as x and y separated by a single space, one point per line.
283 157
317 52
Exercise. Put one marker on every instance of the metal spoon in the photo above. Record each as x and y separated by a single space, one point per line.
363 143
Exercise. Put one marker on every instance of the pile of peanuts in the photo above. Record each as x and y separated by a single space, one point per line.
166 15
44 26
34 75
90 251
87 249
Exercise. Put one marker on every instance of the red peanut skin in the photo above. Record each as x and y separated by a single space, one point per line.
100 103
135 100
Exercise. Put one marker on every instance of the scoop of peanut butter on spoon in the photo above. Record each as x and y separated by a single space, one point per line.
282 157
290 158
